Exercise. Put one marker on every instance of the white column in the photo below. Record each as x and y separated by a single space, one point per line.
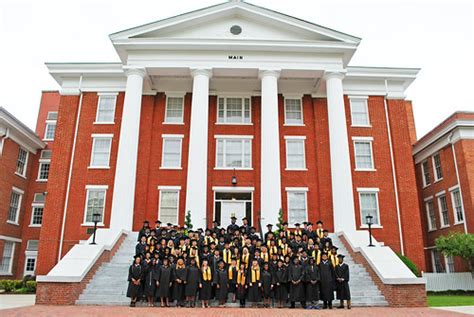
123 201
342 194
270 178
196 188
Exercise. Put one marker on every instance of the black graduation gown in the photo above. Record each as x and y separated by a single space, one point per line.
192 281
296 273
312 278
343 291
221 279
280 280
151 275
140 249
327 281
166 277
254 294
205 292
178 288
266 283
242 289
233 280
135 272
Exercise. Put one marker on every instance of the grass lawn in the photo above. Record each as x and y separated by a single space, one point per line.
450 300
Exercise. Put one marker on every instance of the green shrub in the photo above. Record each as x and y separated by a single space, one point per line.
409 264
31 286
14 286
22 290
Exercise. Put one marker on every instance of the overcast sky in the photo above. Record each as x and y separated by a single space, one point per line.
437 36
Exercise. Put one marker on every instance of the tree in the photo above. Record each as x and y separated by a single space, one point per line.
458 244
187 221
280 220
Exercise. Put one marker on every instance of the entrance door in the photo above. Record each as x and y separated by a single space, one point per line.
231 209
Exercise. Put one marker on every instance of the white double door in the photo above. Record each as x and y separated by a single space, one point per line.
232 208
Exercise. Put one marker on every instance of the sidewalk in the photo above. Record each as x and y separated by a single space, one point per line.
15 301
458 309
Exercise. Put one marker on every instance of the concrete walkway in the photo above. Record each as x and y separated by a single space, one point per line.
469 310
14 301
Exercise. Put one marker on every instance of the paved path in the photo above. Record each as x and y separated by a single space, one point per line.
13 301
459 309
118 311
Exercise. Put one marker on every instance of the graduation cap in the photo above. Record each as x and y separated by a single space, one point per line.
159 222
233 218
169 224
285 223
297 225
146 221
280 260
319 222
253 228
136 256
334 247
269 225
324 253
310 223
305 222
220 261
341 256
325 230
244 218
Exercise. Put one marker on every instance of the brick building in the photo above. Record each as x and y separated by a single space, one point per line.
444 161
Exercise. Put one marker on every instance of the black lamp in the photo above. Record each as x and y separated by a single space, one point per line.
234 179
95 219
369 222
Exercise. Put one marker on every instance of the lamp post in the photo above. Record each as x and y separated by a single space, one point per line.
234 179
95 218
368 219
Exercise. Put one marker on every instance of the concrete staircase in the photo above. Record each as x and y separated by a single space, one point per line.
364 292
109 284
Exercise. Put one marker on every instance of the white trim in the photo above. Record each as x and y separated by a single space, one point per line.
174 95
33 206
363 98
446 265
428 198
30 255
178 191
19 191
12 258
459 183
451 191
438 196
111 93
41 162
293 97
290 191
100 94
94 187
433 261
224 153
295 137
362 138
97 187
164 187
367 189
366 140
296 189
102 135
440 193
431 227
26 161
172 136
232 136
232 189
12 239
435 173
242 97
94 139
233 168
365 226
49 122
423 173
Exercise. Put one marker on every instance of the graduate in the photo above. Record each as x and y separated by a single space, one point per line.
135 275
327 281
221 281
232 276
319 229
151 272
295 277
267 285
342 281
192 282
164 283
333 256
179 282
312 277
255 283
280 280
141 247
241 285
205 284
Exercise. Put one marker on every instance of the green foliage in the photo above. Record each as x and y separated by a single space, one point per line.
22 290
457 244
280 220
10 285
412 266
187 221
31 286
450 300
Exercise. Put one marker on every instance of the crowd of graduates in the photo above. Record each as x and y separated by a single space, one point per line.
177 266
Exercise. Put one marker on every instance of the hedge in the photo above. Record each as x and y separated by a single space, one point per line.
412 266
18 286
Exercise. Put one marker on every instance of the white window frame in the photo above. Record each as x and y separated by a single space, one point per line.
169 189
296 97
431 227
241 96
12 257
26 162
435 172
438 196
369 190
30 255
452 190
48 123
366 102
90 188
33 206
94 139
172 137
20 199
174 95
299 190
433 261
233 137
423 172
108 94
301 138
41 162
369 140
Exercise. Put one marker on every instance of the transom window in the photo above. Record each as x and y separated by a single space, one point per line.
369 205
169 205
233 110
443 210
52 115
32 245
430 215
234 153
171 151
95 204
293 111
438 172
295 153
106 109
21 162
43 170
297 206
174 110
359 112
50 130
426 173
7 257
15 205
363 154
457 206
101 146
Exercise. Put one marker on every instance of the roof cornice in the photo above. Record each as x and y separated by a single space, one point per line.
19 132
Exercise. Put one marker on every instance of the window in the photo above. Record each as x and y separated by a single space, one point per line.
171 151
169 204
435 258
430 215
234 153
46 154
234 110
7 258
438 172
43 170
50 130
297 207
101 145
449 261
359 112
293 112
106 109
369 205
363 154
295 153
426 173
457 206
37 215
174 110
21 162
39 198
95 203
30 265
443 211
52 115
32 245
15 205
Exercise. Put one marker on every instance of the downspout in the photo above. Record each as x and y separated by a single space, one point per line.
450 139
392 161
6 136
71 163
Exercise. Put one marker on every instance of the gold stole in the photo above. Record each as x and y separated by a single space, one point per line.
317 257
227 256
319 233
284 249
245 260
334 259
264 256
255 275
273 250
297 232
231 272
206 274
241 278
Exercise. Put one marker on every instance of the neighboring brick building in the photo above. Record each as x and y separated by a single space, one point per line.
444 161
